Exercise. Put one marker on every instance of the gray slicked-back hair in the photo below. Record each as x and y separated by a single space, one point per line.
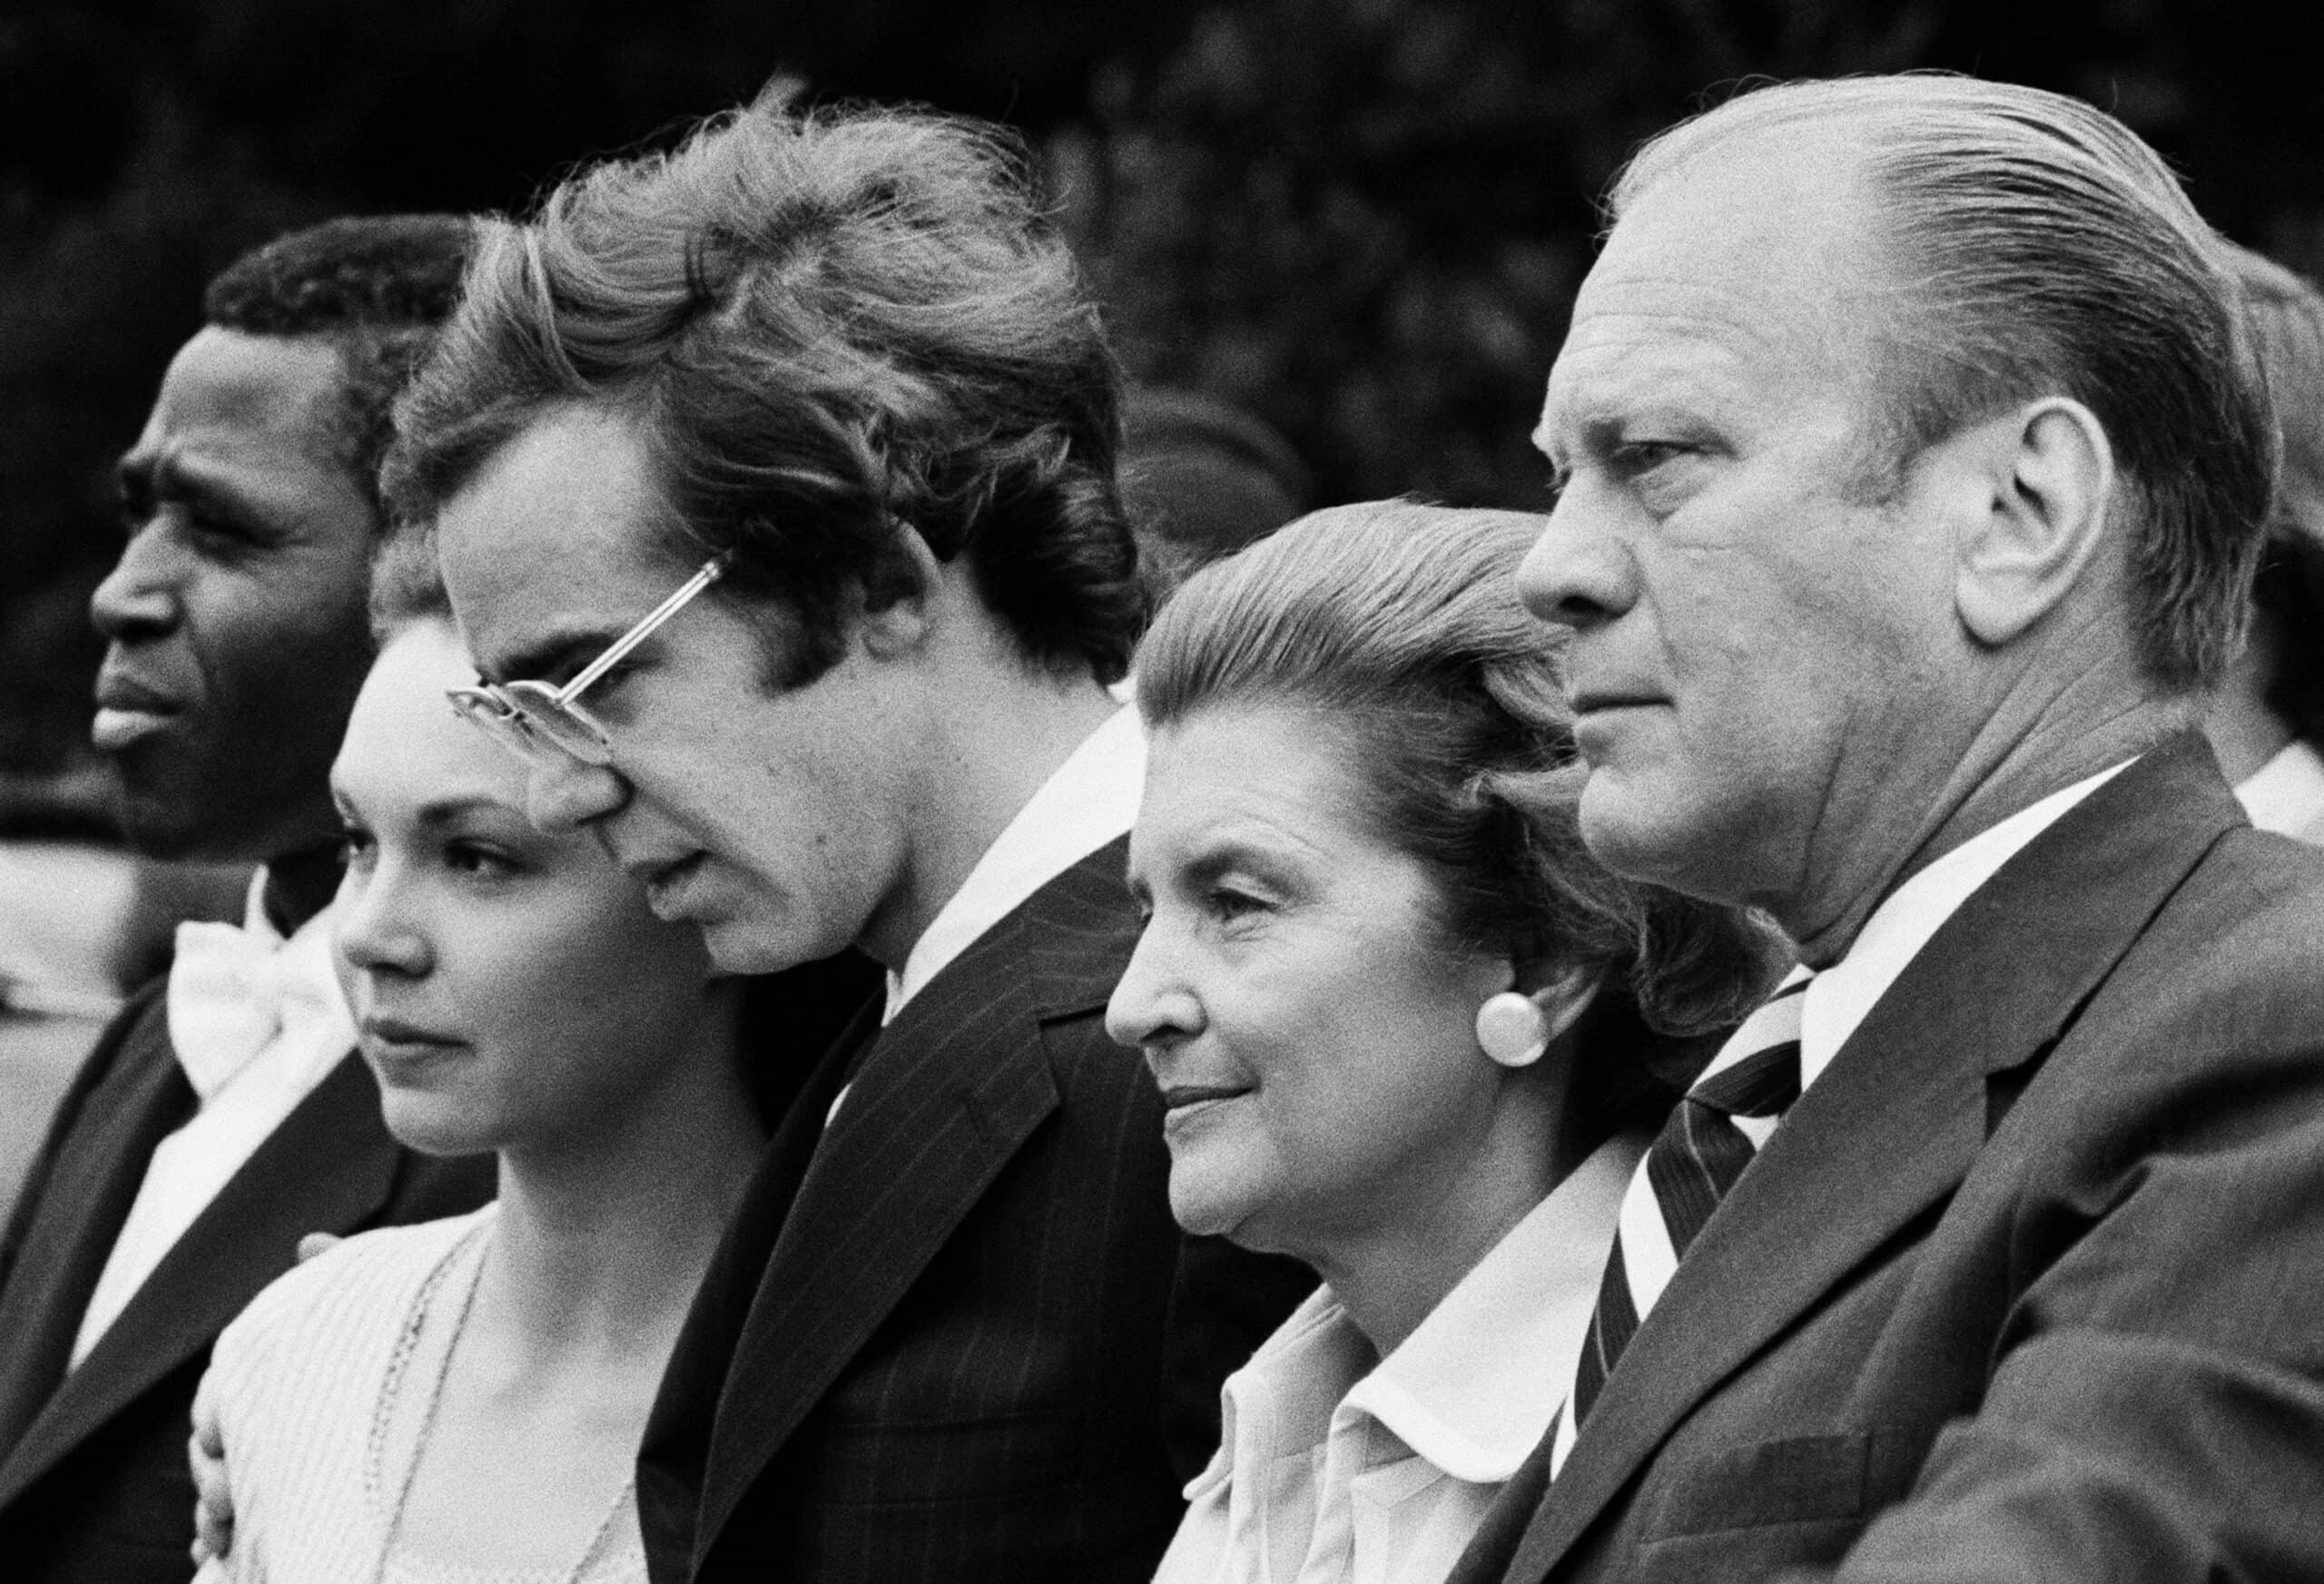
2039 248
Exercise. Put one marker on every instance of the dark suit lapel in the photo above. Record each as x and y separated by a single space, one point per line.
944 1097
673 1454
329 1168
1896 1122
86 1190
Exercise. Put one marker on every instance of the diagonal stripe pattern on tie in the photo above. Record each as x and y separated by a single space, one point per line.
1711 1135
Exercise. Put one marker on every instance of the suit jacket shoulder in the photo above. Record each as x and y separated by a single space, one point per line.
138 1031
92 1477
2019 1287
960 1332
126 1097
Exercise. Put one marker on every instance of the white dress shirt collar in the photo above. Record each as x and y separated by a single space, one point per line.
2287 793
1839 998
1325 1450
1474 1386
239 1109
1091 799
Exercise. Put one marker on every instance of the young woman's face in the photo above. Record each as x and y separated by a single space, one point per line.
511 987
1314 1040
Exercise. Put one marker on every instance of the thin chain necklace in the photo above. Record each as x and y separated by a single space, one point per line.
405 1346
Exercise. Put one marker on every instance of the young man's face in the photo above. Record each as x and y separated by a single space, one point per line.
779 822
236 613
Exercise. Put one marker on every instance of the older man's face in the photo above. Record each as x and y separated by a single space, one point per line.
1752 631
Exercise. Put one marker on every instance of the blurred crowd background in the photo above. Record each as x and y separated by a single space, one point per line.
1361 220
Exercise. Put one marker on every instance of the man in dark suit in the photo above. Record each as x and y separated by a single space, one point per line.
1912 485
839 370
223 1113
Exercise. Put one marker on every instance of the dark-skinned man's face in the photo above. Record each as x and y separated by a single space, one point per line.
236 613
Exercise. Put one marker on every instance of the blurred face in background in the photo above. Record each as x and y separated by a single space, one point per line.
510 987
235 616
1312 1037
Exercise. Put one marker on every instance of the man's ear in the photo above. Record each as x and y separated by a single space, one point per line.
2047 478
898 624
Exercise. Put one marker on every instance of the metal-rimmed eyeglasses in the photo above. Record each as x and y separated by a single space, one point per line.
522 715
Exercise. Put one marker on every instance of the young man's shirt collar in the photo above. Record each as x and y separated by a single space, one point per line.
1089 801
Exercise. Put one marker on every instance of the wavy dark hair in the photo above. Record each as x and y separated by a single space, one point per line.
830 328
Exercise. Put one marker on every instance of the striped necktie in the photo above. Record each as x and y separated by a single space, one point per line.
1711 1135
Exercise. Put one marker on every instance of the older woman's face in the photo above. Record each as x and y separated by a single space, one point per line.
1313 1041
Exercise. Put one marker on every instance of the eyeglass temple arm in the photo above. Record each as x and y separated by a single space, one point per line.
711 571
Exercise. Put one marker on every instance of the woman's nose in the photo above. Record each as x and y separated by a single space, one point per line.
563 793
1153 1004
374 930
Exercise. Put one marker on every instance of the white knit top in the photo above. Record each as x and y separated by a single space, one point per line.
322 1388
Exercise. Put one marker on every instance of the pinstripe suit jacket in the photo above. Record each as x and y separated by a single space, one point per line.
93 1473
948 1338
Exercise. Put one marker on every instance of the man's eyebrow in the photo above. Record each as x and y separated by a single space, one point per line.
1595 433
567 650
144 474
144 479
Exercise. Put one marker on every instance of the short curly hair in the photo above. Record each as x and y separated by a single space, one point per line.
829 328
1397 627
378 287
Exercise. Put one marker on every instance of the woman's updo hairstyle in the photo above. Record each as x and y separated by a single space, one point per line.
1397 627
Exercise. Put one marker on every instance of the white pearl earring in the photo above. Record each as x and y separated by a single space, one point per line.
1512 1029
